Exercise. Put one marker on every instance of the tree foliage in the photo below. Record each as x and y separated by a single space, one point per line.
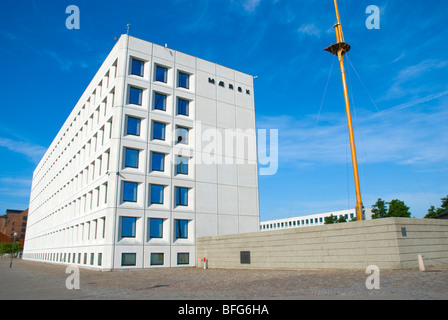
379 209
331 219
395 208
6 248
433 212
398 209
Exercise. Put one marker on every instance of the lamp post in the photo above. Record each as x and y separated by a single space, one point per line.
12 254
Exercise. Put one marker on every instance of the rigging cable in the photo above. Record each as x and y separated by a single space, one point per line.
407 162
315 124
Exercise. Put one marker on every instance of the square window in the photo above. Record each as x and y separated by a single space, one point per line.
133 126
158 161
181 229
182 106
128 227
156 259
137 67
128 259
181 165
155 228
183 258
159 101
135 96
158 131
130 191
161 73
157 194
184 80
182 135
131 158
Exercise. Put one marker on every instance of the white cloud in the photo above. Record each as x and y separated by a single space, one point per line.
309 30
408 136
32 151
251 5
400 86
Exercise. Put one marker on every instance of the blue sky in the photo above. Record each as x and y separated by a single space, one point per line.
397 83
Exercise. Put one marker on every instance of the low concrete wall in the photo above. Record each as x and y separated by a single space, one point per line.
353 245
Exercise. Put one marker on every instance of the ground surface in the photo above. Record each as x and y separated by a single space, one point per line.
35 280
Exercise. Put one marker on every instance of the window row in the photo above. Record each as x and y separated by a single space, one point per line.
85 152
75 258
156 259
300 223
157 163
161 73
90 114
156 192
155 227
159 101
89 174
158 130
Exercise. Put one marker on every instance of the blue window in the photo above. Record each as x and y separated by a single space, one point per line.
158 161
157 194
128 227
128 259
183 258
181 229
137 67
158 131
184 80
135 96
159 101
133 126
131 158
130 191
161 74
181 196
182 135
155 228
182 106
181 165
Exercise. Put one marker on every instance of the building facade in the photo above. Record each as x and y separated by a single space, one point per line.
311 220
14 221
159 150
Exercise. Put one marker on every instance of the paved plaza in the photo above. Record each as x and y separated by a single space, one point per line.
35 280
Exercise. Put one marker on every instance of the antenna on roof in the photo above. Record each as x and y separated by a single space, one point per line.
127 29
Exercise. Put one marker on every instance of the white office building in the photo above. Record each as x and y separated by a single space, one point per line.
159 150
311 220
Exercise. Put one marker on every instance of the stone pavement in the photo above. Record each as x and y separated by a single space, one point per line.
28 280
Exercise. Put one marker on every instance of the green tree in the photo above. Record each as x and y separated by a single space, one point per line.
445 203
6 248
331 219
397 208
341 219
433 212
379 209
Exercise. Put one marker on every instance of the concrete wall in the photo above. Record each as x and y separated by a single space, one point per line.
354 245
